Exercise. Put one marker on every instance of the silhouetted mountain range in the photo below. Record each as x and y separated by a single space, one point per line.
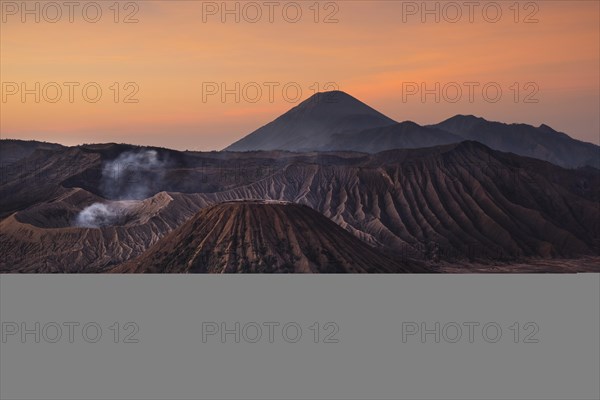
336 121
542 142
403 135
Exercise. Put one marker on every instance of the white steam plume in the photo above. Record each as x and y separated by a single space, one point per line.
130 176
97 215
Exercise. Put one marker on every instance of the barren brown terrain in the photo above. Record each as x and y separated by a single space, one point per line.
452 203
455 207
262 237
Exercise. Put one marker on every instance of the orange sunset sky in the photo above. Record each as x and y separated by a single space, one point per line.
373 50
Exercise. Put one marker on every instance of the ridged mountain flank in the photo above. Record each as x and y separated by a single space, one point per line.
261 237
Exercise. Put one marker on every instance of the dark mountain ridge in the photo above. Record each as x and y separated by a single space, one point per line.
542 142
336 121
